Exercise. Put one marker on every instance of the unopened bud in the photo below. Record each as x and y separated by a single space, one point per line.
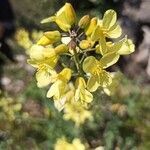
44 41
63 48
85 44
91 26
65 17
54 36
84 21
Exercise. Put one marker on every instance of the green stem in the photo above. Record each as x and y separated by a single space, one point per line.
88 50
77 62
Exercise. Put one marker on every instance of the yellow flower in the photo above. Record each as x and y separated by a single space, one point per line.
9 107
109 24
98 76
62 144
122 47
76 112
44 75
81 94
107 27
64 18
78 145
23 39
44 59
60 85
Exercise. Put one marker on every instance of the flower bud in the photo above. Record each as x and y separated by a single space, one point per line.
84 21
49 37
44 41
54 36
70 13
65 17
63 48
85 44
91 26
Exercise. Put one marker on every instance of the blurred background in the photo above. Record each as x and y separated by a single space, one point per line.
29 121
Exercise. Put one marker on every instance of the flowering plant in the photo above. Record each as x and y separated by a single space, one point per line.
74 59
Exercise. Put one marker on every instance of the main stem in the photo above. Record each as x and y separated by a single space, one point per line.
77 62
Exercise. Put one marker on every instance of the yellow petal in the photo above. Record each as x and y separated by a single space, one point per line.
65 75
109 19
43 78
57 90
109 59
80 82
105 79
70 14
102 43
77 94
127 48
65 27
114 32
43 55
36 51
92 84
115 47
87 97
49 19
96 33
33 63
44 41
53 90
89 63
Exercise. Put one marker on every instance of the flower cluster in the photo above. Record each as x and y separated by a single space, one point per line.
63 144
9 108
73 61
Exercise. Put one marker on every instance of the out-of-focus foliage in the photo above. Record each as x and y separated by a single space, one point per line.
120 121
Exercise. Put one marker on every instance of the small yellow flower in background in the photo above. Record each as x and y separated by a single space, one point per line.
112 88
83 49
62 144
36 35
9 108
23 39
77 113
67 97
26 39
